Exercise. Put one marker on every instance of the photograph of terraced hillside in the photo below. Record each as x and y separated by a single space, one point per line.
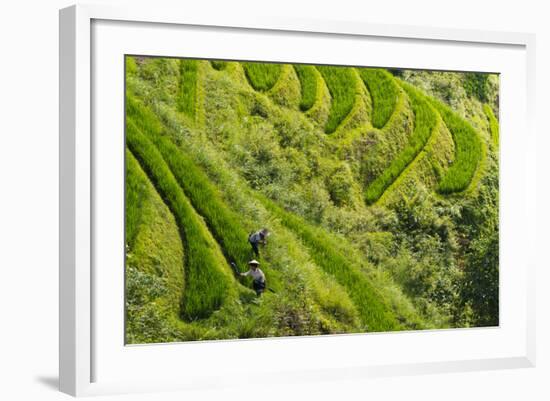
268 199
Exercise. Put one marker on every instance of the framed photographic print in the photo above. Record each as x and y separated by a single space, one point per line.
286 200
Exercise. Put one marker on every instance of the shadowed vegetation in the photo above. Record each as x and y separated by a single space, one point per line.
262 76
308 82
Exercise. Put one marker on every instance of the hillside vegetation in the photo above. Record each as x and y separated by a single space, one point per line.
380 189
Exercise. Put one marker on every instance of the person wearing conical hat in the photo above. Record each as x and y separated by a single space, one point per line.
257 275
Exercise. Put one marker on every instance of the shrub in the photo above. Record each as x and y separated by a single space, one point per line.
481 288
468 151
424 123
476 84
206 285
308 82
384 92
262 76
341 84
340 185
187 99
493 124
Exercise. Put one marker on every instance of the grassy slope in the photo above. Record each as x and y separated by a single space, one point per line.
154 265
337 312
349 277
206 283
315 271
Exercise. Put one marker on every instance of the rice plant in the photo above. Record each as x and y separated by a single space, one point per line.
187 99
308 82
341 83
262 76
206 285
224 224
384 93
424 123
493 123
468 151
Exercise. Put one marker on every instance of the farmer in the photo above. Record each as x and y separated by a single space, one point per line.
256 238
257 275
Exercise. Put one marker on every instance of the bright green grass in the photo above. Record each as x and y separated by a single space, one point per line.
218 64
493 124
468 151
224 224
206 285
425 121
384 92
262 76
374 313
154 261
187 98
308 82
342 87
135 198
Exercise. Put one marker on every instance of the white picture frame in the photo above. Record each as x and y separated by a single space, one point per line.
81 341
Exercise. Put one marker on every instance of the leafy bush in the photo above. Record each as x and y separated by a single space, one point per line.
340 185
206 285
187 99
424 124
308 82
477 84
384 92
468 151
262 76
341 83
481 287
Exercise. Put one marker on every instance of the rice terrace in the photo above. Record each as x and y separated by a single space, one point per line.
267 200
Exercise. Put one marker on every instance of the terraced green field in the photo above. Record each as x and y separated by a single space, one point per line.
366 180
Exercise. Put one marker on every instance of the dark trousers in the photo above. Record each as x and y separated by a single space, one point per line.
259 286
255 248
